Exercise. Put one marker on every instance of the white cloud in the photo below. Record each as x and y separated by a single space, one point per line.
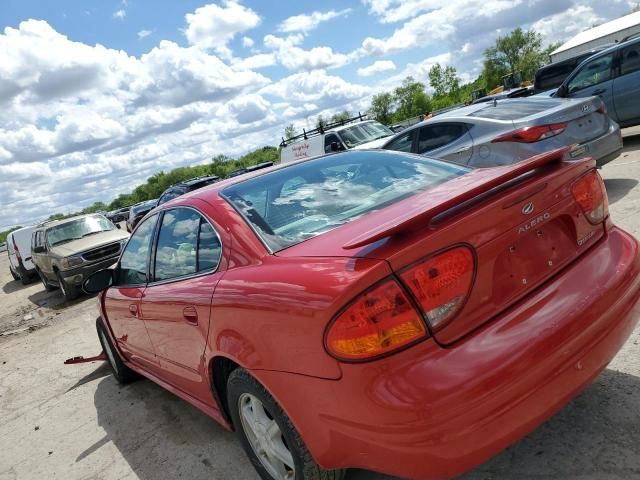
247 42
307 22
378 66
291 56
144 33
213 26
566 24
121 13
260 60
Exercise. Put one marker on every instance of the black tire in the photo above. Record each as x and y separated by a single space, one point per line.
14 275
121 372
47 286
25 278
70 292
241 383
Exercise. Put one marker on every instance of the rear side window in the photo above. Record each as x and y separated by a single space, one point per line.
436 136
403 143
328 192
592 73
187 244
553 75
630 59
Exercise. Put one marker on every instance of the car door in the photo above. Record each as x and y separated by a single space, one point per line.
44 256
122 301
594 78
448 141
176 304
626 87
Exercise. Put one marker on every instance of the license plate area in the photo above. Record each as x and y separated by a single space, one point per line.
534 256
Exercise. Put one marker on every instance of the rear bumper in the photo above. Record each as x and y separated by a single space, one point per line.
606 147
431 413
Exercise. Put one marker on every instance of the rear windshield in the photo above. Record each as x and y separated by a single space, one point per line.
514 109
304 200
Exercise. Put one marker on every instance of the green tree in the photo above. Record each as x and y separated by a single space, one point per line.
3 235
444 81
519 52
290 131
341 116
411 100
382 107
320 122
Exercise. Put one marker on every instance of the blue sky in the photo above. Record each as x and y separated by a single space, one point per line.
98 95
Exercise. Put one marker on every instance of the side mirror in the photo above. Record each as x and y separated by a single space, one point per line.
118 226
562 91
98 281
39 249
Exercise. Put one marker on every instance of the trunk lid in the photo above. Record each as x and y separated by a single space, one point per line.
584 121
521 221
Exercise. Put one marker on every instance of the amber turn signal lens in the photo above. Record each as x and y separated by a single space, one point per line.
376 322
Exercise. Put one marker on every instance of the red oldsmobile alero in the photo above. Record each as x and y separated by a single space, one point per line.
376 309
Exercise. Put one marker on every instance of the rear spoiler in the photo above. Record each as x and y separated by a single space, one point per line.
480 181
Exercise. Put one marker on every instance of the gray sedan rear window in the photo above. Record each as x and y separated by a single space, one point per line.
299 202
515 109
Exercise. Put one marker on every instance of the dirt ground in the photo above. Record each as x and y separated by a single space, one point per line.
76 422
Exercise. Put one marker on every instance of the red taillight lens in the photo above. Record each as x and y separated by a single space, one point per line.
376 322
441 284
15 247
531 134
602 108
590 193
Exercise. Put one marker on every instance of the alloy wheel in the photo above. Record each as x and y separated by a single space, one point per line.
265 438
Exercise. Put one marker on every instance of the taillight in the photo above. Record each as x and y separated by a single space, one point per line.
15 247
376 322
590 193
531 134
602 108
441 284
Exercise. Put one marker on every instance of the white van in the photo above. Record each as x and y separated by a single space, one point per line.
351 134
19 250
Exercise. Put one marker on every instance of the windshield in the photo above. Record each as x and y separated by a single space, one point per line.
77 229
304 200
363 133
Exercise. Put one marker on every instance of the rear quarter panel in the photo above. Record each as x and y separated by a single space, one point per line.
270 312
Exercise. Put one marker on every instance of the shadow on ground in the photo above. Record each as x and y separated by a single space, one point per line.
631 142
618 188
597 436
55 300
15 286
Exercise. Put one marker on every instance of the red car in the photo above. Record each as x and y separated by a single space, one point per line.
376 309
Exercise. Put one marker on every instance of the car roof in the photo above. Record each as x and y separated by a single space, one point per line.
55 223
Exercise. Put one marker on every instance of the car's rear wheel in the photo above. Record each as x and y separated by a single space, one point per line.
121 372
272 443
70 292
47 286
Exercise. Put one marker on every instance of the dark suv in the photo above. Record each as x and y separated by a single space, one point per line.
138 211
187 186
552 75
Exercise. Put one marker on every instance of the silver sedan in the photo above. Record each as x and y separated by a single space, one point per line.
510 130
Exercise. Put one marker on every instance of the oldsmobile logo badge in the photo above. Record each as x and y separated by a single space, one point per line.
528 208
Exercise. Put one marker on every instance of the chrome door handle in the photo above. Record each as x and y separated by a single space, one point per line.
598 91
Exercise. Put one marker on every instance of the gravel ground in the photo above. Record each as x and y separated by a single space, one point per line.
76 422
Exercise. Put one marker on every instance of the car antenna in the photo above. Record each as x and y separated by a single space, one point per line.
495 102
